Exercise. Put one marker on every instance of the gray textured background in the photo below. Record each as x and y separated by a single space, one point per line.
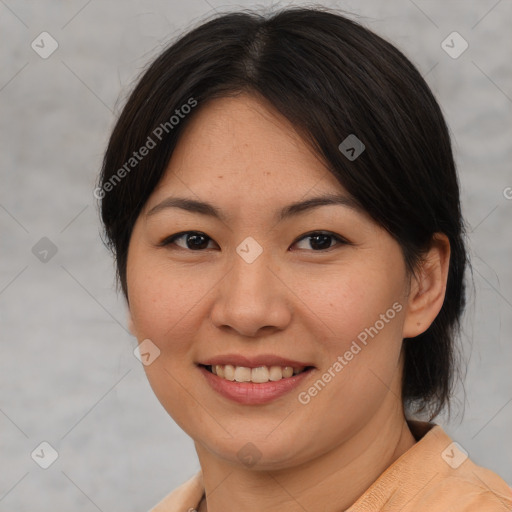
67 372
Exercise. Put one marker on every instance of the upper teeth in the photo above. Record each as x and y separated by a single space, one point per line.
260 374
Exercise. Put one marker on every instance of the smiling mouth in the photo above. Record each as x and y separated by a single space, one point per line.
258 375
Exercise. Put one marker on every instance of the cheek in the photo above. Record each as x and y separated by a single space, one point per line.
161 303
161 298
347 301
361 317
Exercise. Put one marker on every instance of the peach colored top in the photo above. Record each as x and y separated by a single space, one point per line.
434 475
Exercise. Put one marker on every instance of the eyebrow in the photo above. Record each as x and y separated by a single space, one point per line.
208 209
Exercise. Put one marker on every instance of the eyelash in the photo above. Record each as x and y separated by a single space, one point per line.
171 239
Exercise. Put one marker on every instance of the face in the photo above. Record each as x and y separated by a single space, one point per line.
322 287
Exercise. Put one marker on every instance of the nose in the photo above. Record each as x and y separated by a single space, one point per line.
252 298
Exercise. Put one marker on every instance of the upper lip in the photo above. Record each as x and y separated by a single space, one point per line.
253 362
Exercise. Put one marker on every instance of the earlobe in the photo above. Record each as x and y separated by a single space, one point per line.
428 287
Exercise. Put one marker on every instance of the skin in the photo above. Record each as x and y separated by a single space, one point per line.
294 300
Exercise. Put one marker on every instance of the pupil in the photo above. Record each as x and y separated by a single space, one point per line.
195 241
323 238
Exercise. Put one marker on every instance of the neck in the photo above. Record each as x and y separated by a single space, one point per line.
331 482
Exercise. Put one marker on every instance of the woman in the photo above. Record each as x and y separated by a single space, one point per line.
300 368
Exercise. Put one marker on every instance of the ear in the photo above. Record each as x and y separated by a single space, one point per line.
427 287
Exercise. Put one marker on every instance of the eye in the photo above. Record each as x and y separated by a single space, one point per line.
196 240
321 240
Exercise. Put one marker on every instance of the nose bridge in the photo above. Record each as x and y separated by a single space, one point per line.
250 271
251 296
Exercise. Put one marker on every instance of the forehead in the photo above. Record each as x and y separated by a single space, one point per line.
241 145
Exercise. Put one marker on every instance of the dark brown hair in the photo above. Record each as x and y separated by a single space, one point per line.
330 77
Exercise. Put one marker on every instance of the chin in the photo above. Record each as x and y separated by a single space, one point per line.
258 454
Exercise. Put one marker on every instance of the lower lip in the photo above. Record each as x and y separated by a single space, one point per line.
250 393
